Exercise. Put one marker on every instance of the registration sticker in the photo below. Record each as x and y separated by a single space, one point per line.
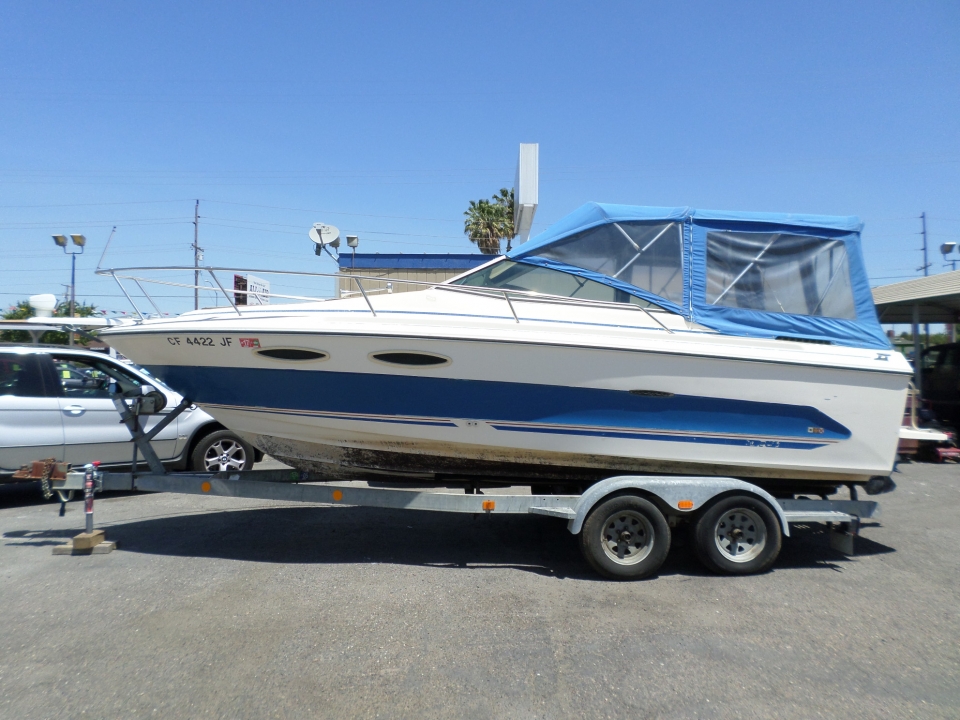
249 342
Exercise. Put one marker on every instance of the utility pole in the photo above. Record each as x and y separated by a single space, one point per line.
198 254
923 231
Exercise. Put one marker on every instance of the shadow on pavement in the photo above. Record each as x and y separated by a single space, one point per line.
39 538
28 494
369 535
22 494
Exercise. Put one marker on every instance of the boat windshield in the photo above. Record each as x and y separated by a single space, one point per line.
646 255
509 275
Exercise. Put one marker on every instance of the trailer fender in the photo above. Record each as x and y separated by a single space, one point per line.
685 495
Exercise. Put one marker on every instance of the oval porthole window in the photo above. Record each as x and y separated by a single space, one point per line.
410 359
292 354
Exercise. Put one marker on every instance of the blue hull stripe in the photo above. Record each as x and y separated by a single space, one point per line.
517 407
671 437
435 422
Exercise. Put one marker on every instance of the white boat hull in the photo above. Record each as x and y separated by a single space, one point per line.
582 400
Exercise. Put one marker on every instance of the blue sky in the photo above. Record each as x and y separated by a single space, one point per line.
386 120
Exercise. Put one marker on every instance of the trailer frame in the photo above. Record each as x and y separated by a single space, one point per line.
676 498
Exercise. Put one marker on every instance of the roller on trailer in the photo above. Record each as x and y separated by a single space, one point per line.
624 523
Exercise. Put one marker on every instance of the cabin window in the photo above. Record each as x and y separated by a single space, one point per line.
646 255
410 359
509 275
295 354
780 273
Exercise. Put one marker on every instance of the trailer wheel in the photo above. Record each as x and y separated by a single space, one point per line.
738 535
625 538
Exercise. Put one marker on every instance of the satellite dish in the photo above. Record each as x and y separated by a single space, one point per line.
323 234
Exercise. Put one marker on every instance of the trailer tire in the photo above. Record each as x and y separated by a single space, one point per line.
625 538
738 535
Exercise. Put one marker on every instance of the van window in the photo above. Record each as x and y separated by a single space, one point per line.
20 376
90 378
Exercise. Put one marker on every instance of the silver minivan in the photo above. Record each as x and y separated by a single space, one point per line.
55 402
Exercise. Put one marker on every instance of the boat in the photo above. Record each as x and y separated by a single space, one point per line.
621 340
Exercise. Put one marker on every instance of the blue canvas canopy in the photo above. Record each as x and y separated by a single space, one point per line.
771 275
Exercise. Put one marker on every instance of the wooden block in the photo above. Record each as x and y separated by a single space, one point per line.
100 549
85 541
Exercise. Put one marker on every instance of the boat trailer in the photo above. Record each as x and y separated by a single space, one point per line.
624 522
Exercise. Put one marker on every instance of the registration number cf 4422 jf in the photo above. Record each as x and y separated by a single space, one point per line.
200 341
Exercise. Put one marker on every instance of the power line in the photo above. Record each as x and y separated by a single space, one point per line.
59 205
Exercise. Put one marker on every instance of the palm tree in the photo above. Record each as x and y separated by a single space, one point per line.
504 200
488 222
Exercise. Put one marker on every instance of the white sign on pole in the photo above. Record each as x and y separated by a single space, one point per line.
253 290
258 291
527 193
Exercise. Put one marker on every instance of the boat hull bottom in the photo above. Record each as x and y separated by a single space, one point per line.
444 466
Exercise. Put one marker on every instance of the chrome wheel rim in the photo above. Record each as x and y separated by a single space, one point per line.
627 537
740 534
224 455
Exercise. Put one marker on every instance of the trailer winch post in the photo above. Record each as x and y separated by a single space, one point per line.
90 541
89 488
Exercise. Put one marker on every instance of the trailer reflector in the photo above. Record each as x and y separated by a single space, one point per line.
685 504
205 486
337 495
489 505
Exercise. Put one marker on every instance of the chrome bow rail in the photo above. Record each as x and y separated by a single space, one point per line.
134 274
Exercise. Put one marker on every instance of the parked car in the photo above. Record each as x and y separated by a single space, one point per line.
55 402
941 382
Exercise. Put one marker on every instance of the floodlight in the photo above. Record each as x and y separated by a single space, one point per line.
79 240
60 240
353 240
947 248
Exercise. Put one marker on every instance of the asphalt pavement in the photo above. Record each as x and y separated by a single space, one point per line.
227 608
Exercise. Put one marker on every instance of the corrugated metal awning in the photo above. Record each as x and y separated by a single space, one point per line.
937 295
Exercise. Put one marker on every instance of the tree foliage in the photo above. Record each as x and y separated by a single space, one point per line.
23 311
488 222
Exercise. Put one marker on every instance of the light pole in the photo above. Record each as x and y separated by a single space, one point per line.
945 250
80 241
352 242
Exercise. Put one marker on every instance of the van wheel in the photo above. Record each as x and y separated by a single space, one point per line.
738 535
625 538
222 451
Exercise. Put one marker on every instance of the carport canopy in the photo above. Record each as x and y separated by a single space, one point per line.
932 299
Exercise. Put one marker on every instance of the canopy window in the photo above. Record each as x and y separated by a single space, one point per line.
648 256
509 275
779 272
